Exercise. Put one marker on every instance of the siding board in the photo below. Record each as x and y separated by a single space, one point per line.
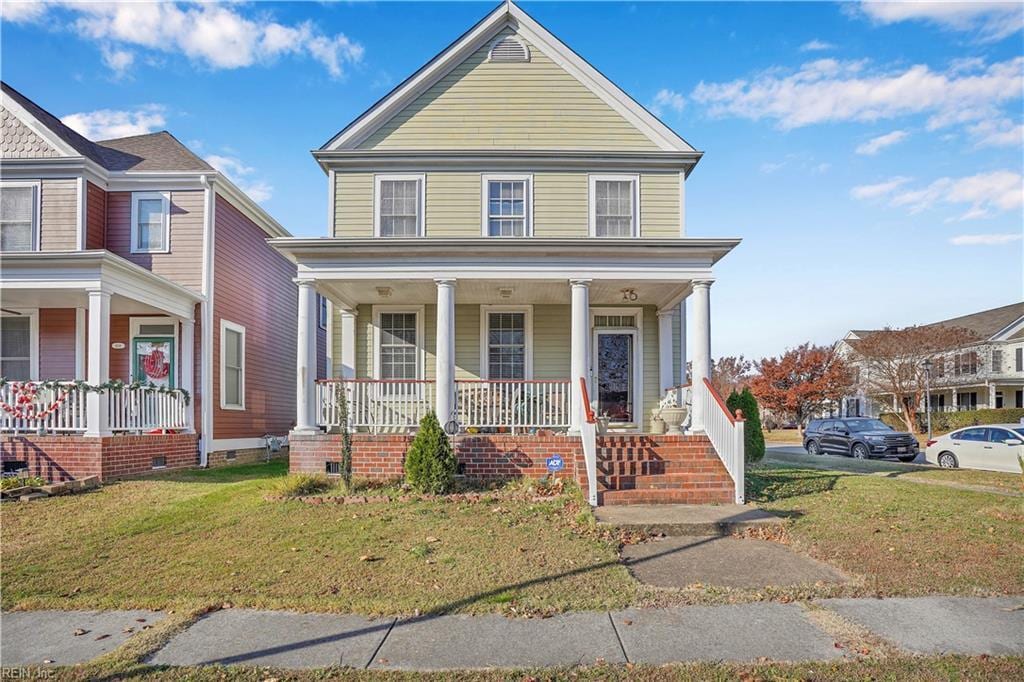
59 208
56 343
95 217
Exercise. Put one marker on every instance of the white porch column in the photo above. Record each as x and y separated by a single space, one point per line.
187 368
684 374
701 345
348 343
305 395
445 352
579 362
81 318
666 320
96 417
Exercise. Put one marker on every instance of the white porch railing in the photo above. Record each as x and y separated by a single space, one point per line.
725 433
374 404
146 409
588 437
512 403
67 417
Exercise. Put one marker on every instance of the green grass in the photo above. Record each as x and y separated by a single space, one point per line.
974 477
898 537
189 539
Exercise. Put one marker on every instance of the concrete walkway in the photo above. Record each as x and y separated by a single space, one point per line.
744 633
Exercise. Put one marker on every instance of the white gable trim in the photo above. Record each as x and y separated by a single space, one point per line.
1005 333
507 14
37 127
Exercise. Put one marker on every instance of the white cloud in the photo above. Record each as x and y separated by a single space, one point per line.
881 189
997 132
22 11
988 20
984 194
816 46
984 239
769 167
829 91
217 36
239 173
105 124
668 99
117 60
877 144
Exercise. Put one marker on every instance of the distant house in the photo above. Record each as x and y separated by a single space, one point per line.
986 374
135 260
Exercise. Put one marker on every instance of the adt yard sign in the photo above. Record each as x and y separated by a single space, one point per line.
555 463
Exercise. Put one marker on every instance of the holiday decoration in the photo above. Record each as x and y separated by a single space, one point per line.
26 395
26 402
155 364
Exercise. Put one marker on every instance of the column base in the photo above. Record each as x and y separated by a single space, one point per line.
305 431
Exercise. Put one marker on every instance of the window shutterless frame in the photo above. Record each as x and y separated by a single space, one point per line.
225 327
33 329
485 315
485 203
421 192
634 179
36 189
165 215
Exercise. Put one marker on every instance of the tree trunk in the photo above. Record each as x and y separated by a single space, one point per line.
909 418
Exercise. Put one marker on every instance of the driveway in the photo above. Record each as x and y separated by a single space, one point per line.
794 455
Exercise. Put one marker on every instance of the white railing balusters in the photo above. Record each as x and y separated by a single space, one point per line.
376 405
512 403
725 433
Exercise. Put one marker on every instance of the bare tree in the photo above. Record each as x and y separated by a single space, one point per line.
731 373
892 361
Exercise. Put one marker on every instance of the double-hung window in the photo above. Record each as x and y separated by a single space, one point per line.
151 213
19 216
506 204
398 350
399 205
506 339
18 342
614 205
232 366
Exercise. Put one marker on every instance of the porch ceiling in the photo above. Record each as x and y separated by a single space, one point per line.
62 298
499 292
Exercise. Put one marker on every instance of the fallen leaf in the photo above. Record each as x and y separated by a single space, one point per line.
431 538
79 632
140 620
627 621
101 637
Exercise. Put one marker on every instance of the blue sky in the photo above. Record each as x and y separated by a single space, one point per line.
870 155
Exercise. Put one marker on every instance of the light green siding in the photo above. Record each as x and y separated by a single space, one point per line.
551 341
522 105
560 204
467 341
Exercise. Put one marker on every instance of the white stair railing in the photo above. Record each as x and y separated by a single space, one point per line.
588 436
725 433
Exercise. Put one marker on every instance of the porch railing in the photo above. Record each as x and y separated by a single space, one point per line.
144 409
67 417
374 404
588 438
512 403
725 433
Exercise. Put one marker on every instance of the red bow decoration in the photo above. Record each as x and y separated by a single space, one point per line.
154 364
25 407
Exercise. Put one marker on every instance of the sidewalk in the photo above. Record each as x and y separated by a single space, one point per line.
742 633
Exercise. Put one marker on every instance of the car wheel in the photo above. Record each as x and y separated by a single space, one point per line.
947 461
860 451
813 448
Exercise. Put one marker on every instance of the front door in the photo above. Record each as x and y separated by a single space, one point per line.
615 373
153 360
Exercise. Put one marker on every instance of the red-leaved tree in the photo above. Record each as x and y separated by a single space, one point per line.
801 382
731 373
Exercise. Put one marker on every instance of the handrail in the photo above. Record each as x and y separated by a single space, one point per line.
511 381
588 412
726 434
721 403
375 381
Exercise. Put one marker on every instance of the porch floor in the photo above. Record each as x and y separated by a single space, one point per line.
685 519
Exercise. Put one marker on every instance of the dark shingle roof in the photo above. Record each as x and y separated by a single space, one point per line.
985 324
153 152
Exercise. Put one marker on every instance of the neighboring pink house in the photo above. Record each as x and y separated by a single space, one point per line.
135 260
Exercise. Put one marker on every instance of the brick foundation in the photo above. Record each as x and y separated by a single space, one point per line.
485 457
61 458
242 456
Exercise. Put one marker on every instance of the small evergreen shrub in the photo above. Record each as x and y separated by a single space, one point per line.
297 485
753 436
430 464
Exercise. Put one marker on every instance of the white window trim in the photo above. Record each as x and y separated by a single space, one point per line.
485 180
37 206
421 355
33 330
134 323
323 312
592 203
165 197
421 225
225 326
485 312
638 355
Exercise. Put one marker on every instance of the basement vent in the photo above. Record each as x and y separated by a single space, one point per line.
509 49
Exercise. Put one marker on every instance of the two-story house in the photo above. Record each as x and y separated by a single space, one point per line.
132 260
987 373
508 248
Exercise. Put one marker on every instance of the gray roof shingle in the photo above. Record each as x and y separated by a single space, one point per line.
984 324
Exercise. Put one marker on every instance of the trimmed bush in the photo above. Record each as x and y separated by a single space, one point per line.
753 436
943 422
430 463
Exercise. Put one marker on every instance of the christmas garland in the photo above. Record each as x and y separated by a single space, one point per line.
113 386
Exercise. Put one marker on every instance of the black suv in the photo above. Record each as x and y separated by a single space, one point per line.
860 437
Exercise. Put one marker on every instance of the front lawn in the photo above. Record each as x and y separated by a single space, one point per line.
898 537
209 537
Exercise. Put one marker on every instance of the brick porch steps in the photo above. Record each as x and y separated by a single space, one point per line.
660 470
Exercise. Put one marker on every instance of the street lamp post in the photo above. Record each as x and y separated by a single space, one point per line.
927 365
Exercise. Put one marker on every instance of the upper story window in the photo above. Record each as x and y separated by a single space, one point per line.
614 205
965 363
1018 359
19 216
398 205
997 360
507 202
151 222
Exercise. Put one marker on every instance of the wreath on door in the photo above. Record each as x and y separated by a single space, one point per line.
155 364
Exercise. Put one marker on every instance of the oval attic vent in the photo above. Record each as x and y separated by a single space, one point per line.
509 49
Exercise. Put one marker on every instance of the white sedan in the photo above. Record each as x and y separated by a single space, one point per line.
995 447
